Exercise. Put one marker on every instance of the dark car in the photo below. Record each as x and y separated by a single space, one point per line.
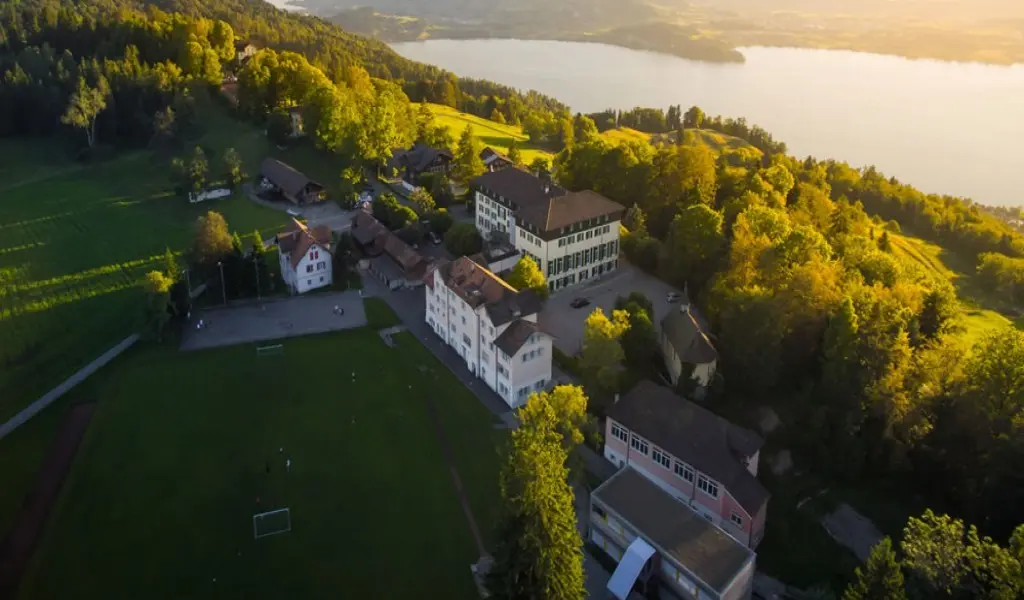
579 302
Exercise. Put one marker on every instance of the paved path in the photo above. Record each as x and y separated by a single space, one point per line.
274 319
50 397
20 543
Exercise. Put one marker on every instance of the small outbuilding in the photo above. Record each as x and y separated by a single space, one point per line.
291 184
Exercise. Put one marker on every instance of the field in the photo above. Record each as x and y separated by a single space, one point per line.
77 239
981 313
163 491
498 136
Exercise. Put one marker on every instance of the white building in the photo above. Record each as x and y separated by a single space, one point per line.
573 236
305 257
492 326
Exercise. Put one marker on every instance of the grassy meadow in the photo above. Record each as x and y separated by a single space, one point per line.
981 313
75 241
492 134
162 493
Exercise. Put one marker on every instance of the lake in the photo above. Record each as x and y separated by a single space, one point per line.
951 128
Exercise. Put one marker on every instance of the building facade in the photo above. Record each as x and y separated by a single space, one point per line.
492 327
573 236
687 348
305 257
695 456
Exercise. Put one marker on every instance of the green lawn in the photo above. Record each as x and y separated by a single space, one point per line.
981 312
75 241
162 495
492 134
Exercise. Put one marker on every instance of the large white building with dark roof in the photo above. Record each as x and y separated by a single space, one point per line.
491 326
573 236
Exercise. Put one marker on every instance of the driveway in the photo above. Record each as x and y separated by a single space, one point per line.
325 213
274 319
566 323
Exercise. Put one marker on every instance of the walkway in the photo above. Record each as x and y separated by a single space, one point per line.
50 397
274 319
20 543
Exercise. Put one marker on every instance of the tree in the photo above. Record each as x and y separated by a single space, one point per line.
463 239
165 127
640 341
635 221
694 246
279 127
424 122
171 268
383 207
693 118
158 295
402 216
233 165
880 578
261 271
540 166
497 117
538 554
213 240
468 163
637 298
526 274
198 169
423 201
85 105
602 355
514 154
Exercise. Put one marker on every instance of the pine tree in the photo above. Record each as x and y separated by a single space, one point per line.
880 578
468 163
514 155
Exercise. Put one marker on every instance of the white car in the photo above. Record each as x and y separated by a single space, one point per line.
673 297
293 212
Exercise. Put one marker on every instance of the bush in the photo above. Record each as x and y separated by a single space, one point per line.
569 364
463 239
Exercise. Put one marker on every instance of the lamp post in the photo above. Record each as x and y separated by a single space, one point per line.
223 283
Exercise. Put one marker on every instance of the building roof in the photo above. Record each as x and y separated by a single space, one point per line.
375 239
543 204
709 553
478 286
299 238
687 337
285 177
490 155
419 156
695 435
515 335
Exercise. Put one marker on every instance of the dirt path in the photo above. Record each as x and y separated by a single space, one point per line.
20 542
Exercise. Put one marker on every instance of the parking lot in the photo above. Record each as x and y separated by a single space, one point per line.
566 323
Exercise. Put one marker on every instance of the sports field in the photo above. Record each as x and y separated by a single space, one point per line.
75 241
161 498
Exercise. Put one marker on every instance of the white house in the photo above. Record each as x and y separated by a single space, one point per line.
492 326
573 236
305 257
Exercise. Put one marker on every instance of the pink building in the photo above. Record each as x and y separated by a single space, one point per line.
696 456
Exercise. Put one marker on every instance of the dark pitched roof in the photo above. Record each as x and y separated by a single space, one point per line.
707 551
419 156
299 238
513 338
375 239
543 204
478 286
689 340
696 435
490 155
285 177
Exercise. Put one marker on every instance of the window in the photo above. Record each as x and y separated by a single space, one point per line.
639 444
309 268
526 357
321 280
619 432
707 486
661 458
463 320
502 371
684 471
540 351
466 340
736 519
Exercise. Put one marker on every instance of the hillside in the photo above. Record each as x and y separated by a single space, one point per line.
496 135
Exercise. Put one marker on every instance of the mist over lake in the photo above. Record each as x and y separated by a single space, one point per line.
950 128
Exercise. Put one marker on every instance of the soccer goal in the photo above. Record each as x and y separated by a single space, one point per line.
271 523
275 350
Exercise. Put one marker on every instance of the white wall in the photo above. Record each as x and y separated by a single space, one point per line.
303 281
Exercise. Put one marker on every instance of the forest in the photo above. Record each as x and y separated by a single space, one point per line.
812 310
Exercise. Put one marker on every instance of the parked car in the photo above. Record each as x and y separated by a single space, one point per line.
434 239
579 302
673 297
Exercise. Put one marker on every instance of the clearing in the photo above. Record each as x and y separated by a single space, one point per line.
78 239
164 489
496 135
981 312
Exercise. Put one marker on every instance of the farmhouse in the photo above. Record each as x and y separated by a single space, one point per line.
386 256
686 347
420 159
492 326
244 51
494 160
290 183
305 256
573 236
693 455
